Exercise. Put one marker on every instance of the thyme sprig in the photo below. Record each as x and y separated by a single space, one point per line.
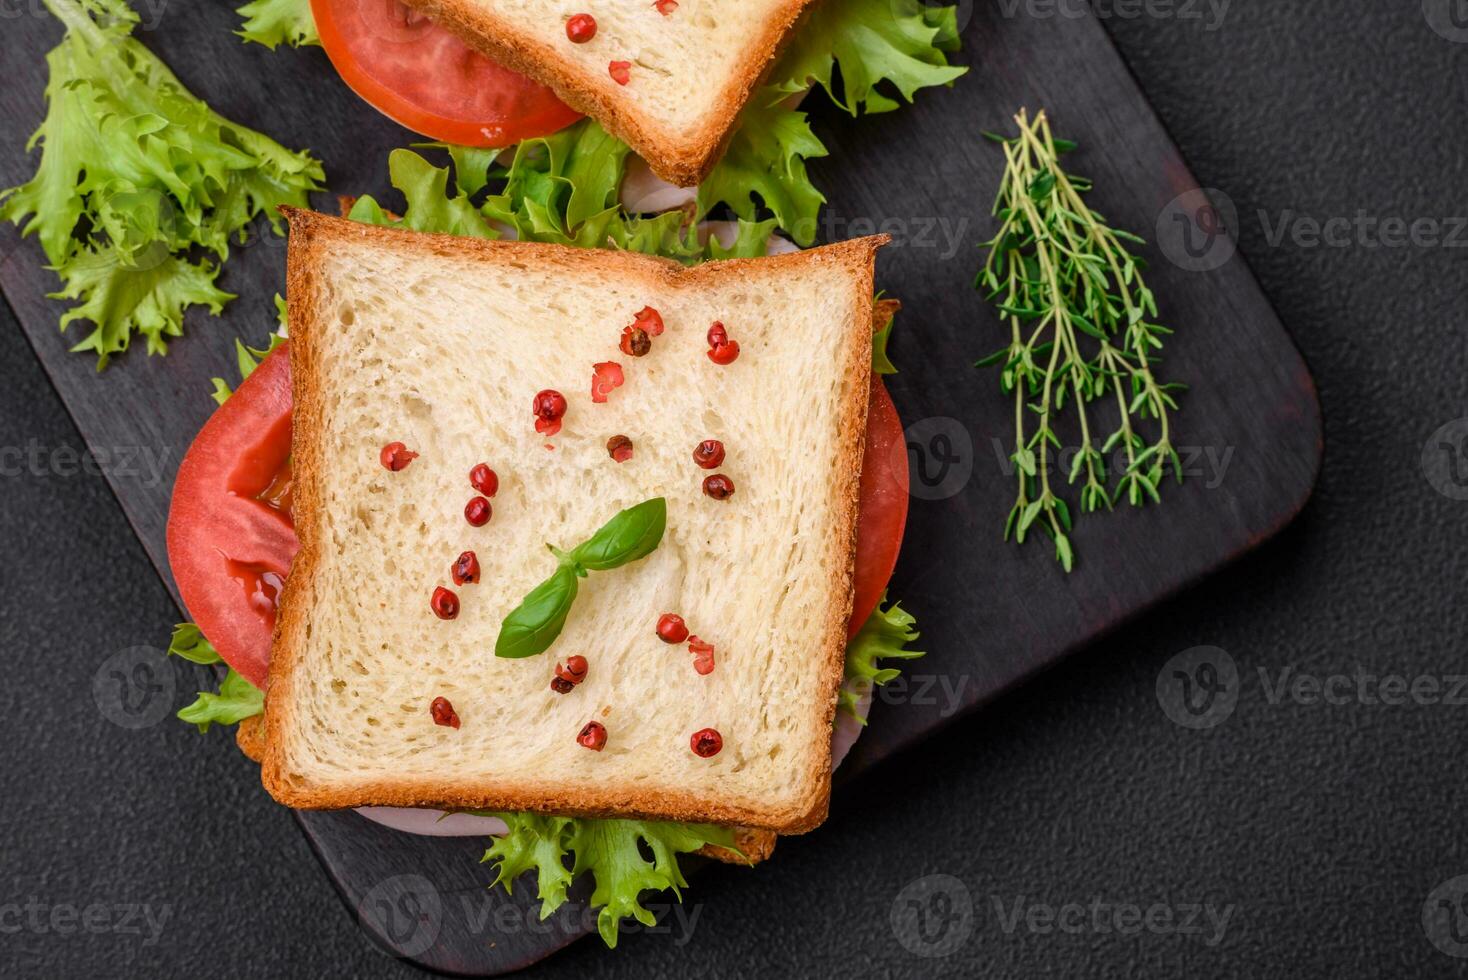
1083 331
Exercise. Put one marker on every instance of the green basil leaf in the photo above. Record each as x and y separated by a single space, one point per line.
632 534
534 624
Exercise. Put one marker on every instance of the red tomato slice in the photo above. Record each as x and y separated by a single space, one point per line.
423 77
230 537
884 495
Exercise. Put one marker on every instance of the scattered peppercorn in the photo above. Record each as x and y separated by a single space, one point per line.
619 448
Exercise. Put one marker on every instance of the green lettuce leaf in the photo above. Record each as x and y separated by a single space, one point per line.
120 299
430 208
881 362
611 851
901 42
898 44
248 359
562 189
767 158
237 699
884 635
276 22
189 643
136 176
534 843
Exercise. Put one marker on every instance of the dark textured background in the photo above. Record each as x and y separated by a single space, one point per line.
1325 826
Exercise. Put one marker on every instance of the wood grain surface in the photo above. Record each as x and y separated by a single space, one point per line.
991 614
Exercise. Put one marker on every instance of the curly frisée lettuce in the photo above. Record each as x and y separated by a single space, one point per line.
886 50
904 43
276 22
765 166
901 44
884 635
237 699
561 189
140 183
623 857
248 359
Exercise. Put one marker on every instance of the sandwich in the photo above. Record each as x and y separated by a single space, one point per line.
356 660
704 93
442 347
552 802
370 688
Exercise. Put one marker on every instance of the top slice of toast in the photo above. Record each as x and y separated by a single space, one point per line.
441 343
691 71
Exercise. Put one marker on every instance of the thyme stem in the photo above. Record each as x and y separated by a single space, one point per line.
1059 265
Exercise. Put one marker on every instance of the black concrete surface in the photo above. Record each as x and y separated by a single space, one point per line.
1082 831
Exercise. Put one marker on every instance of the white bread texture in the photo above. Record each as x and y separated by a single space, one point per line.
692 70
441 343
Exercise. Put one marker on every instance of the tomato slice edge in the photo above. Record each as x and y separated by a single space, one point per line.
882 517
229 550
549 114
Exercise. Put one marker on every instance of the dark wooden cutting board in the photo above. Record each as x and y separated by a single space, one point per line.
991 614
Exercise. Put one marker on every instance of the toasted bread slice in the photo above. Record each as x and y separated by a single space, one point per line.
691 70
441 343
